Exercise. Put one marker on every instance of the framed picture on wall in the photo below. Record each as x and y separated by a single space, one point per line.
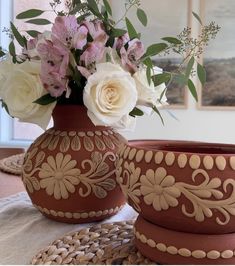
165 18
219 57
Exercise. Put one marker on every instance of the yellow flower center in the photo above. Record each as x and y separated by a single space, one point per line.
59 175
158 189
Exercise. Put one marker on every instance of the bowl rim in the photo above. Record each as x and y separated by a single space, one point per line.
166 145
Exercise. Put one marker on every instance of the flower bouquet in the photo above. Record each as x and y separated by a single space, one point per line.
89 59
94 75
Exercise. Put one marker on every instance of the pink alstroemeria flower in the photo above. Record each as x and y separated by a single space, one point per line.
54 83
96 30
121 41
92 55
68 32
131 56
54 67
54 59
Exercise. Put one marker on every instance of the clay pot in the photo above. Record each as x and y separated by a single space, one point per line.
69 171
182 186
171 247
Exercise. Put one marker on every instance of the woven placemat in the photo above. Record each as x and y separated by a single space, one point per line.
12 164
104 244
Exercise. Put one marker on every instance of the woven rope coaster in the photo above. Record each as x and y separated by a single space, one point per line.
101 244
12 164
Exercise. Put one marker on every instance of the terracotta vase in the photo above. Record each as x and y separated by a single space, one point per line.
182 191
69 171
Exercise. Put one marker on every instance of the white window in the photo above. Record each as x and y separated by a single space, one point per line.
13 132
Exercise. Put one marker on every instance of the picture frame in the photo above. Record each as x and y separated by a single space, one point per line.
219 57
179 16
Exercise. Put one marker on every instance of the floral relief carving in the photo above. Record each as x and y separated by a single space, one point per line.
127 179
158 189
96 179
162 192
59 175
28 178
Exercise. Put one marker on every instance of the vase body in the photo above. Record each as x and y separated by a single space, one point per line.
69 171
185 196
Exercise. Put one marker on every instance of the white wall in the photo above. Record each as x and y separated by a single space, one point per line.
192 123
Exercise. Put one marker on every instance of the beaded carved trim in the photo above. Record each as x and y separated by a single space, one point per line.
78 215
184 252
169 158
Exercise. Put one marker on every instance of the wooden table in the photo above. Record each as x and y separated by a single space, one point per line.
10 184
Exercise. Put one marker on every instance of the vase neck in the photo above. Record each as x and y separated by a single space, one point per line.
72 117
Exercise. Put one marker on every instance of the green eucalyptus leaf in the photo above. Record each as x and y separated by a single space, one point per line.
2 53
20 39
4 105
118 32
76 2
131 30
108 7
201 72
155 49
161 78
136 112
45 99
31 13
77 8
38 21
159 114
192 89
172 40
162 94
181 79
142 16
149 75
197 17
94 8
33 33
12 49
189 67
148 62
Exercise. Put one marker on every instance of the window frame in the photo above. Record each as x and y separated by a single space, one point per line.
6 122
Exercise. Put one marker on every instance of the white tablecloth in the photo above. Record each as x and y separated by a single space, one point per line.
24 231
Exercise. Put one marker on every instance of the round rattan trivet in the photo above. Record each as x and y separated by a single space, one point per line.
12 164
101 244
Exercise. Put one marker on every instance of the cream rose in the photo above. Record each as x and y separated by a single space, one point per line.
6 67
149 95
21 87
110 95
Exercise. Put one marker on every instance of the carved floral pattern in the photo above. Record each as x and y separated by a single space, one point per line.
158 189
59 176
128 182
162 192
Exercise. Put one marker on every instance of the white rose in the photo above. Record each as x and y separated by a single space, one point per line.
22 86
6 67
127 122
110 94
148 95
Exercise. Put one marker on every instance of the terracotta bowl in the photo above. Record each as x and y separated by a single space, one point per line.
180 185
171 247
